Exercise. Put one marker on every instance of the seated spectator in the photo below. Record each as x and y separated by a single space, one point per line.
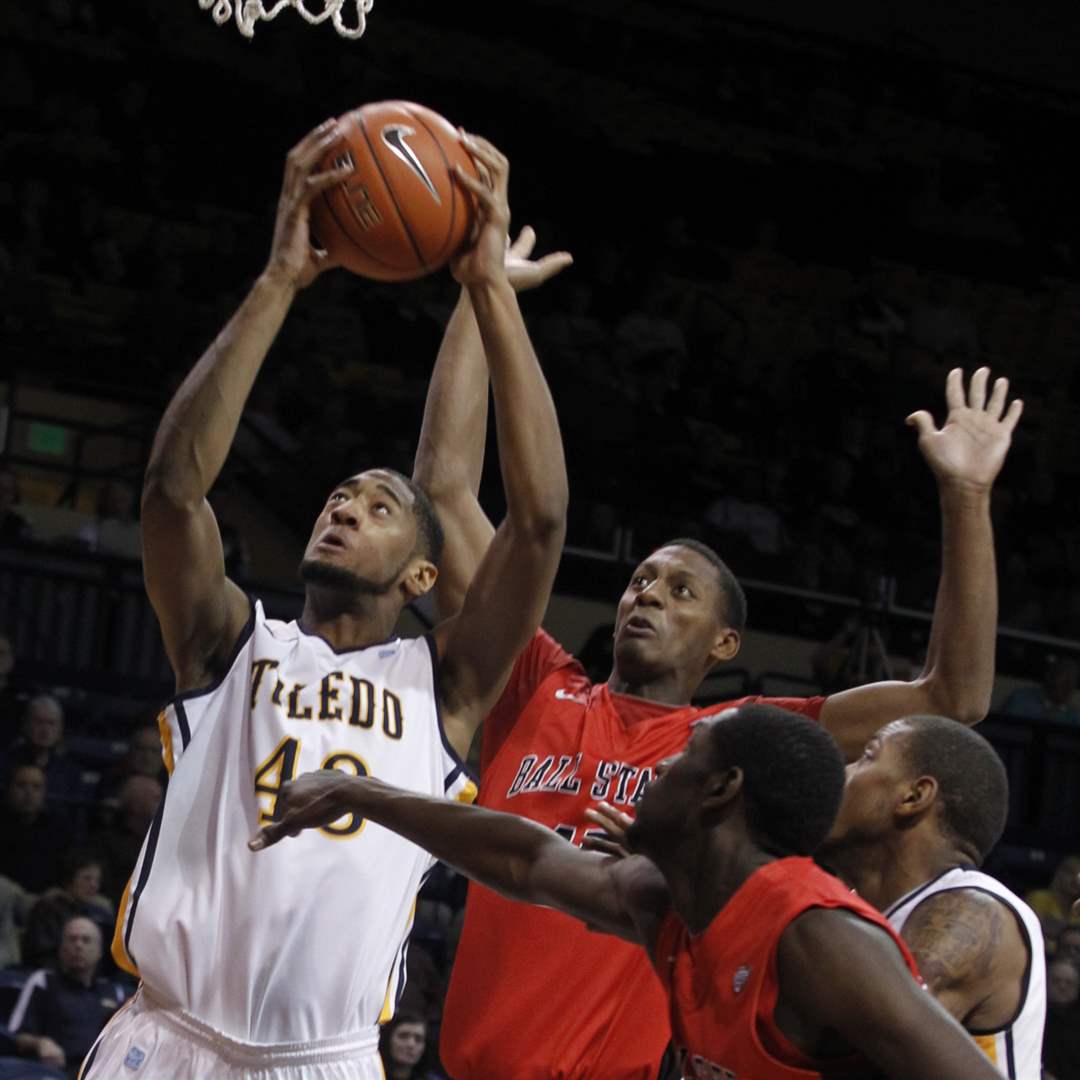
67 1007
1053 700
11 700
15 905
1054 905
79 894
14 528
143 758
114 530
121 842
1061 1035
1068 945
33 838
42 744
403 1047
13 1067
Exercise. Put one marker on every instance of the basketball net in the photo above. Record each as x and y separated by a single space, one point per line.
249 12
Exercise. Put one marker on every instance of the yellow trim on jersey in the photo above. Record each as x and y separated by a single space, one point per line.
119 952
166 742
468 793
387 1011
988 1045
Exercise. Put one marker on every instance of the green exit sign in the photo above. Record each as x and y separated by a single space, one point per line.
48 439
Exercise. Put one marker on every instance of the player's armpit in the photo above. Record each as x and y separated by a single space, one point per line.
970 952
201 612
840 973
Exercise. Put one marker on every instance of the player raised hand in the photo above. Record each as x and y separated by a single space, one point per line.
525 273
970 448
485 259
293 258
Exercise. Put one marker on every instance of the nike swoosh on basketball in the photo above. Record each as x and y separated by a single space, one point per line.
394 135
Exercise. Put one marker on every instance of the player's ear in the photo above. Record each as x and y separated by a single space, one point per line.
721 790
917 798
725 644
419 579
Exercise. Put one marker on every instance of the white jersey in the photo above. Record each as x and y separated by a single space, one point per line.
1016 1048
306 940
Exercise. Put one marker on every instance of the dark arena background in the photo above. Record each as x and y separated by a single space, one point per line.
788 221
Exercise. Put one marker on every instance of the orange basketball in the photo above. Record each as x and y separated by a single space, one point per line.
400 214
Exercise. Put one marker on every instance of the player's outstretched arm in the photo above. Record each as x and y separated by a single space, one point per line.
510 590
839 972
965 455
450 452
512 855
200 611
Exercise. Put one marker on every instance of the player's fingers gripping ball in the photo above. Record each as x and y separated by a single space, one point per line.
400 213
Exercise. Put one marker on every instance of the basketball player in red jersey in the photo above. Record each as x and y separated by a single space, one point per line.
557 745
771 968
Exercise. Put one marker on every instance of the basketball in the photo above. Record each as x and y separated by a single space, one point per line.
400 214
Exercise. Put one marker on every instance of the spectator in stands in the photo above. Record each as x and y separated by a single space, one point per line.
143 758
1068 945
42 745
14 528
67 1007
1061 1035
114 530
1053 699
120 843
15 905
79 894
13 1067
1054 905
33 839
10 699
403 1047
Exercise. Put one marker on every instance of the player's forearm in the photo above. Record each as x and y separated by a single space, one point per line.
450 453
197 430
959 671
498 850
530 444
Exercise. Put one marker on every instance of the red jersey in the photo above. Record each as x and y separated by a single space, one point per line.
534 995
722 984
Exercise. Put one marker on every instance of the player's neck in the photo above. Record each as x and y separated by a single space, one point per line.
883 872
367 621
704 879
667 689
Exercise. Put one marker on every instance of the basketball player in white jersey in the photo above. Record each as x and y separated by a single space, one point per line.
922 808
285 964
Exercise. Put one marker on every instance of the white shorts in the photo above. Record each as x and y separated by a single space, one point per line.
148 1041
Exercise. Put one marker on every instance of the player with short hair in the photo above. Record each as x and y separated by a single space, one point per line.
285 966
556 745
771 968
923 806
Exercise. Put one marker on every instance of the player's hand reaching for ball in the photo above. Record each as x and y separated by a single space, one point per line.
293 259
970 447
484 260
308 802
525 273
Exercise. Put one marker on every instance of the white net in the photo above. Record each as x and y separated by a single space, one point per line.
249 12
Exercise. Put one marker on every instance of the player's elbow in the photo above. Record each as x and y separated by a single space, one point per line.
167 488
959 698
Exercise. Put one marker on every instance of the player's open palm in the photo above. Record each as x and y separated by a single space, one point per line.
970 447
527 273
308 802
485 258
